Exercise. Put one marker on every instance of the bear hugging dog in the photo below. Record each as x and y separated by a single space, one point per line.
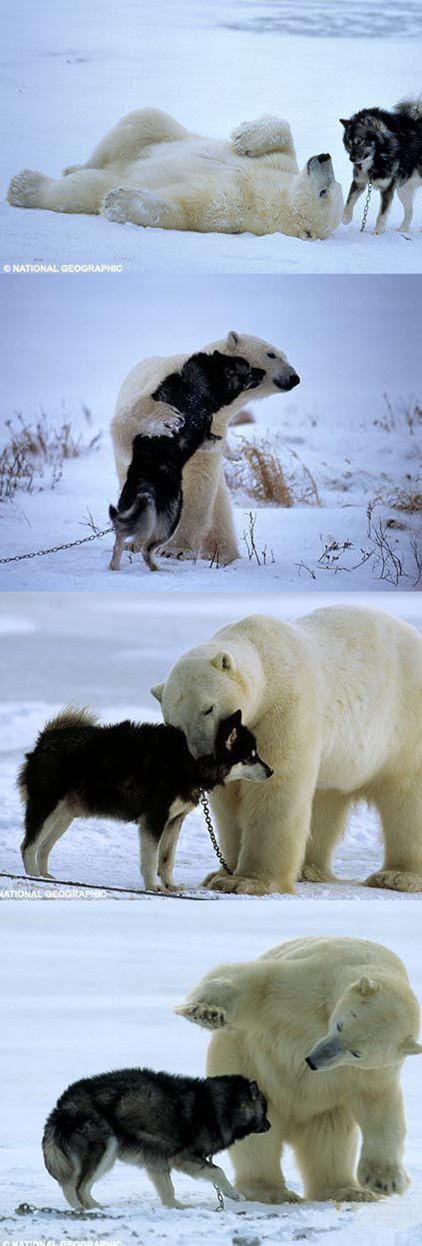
335 703
323 1025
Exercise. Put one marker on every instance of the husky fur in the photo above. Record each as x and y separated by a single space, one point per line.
132 772
151 500
385 149
157 1121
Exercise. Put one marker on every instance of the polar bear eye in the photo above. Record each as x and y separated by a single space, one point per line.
339 1026
322 193
356 1054
271 355
205 712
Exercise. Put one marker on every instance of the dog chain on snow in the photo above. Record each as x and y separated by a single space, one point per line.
220 1198
55 549
366 208
210 829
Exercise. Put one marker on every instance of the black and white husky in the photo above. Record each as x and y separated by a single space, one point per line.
386 149
157 1121
150 504
131 772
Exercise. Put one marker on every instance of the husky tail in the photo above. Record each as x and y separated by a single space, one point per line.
42 787
410 108
78 1147
135 520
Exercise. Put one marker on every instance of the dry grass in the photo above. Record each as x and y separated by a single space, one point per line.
261 475
405 417
33 456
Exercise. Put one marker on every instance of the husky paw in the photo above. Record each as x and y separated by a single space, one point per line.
24 187
347 215
383 1178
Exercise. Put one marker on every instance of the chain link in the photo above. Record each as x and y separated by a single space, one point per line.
210 829
55 549
220 1198
366 208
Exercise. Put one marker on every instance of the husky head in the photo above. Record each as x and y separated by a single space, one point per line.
367 140
372 1026
235 756
265 366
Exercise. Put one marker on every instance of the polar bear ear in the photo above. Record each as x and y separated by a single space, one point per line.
368 986
223 661
233 338
157 692
411 1048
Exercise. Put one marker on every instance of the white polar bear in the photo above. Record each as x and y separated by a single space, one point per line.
150 171
335 702
206 527
323 1025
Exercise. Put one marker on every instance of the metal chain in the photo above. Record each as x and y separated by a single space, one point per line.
220 1198
366 208
210 829
55 549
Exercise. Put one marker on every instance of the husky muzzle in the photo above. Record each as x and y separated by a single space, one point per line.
324 1054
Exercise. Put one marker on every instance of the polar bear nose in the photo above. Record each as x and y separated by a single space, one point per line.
310 1062
323 157
294 380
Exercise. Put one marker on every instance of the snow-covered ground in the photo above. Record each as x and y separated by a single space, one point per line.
72 68
86 988
106 653
352 342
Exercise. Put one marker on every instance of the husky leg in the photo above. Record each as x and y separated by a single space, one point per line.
167 851
355 192
148 556
52 830
406 195
163 1184
114 564
149 853
70 1195
387 197
206 1170
100 1160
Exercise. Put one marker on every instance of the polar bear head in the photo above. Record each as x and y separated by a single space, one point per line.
315 200
374 1024
207 685
272 365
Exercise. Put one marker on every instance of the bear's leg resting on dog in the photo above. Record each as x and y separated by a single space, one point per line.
135 131
206 1170
256 1160
79 192
382 1123
329 815
326 1150
127 204
400 805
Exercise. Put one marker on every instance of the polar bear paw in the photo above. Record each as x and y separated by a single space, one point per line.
348 1194
315 874
209 1016
395 880
242 885
72 168
24 188
383 1178
259 138
256 1193
118 205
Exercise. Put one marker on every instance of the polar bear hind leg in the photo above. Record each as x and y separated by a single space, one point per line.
256 1160
137 130
329 817
220 543
77 192
399 803
326 1151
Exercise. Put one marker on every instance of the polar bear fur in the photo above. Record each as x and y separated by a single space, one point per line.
346 996
206 528
335 703
151 171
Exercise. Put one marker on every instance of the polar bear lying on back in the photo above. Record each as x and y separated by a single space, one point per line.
150 171
323 1025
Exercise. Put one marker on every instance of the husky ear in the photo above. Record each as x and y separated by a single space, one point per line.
233 338
343 121
213 1006
368 986
157 692
223 662
411 1048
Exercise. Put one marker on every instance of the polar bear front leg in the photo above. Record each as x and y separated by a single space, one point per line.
127 204
399 803
326 1150
382 1122
329 815
259 138
200 483
220 543
256 1160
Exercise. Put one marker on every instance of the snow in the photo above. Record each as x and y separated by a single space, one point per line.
87 988
352 343
62 648
72 69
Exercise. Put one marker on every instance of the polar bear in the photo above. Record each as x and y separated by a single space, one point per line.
335 703
151 401
323 1025
150 171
